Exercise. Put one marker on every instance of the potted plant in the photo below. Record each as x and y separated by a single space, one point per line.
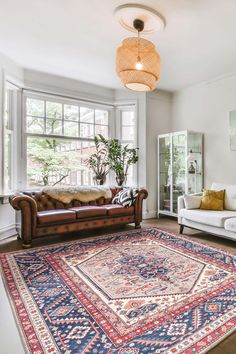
120 158
98 162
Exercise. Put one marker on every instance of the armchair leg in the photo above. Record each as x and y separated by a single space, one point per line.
181 229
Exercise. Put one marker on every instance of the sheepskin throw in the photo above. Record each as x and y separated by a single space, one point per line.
83 193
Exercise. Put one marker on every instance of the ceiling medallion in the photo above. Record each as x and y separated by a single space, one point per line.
137 61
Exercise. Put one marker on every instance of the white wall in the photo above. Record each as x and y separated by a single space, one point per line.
12 70
205 108
66 86
158 122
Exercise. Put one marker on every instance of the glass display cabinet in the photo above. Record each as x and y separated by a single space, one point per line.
180 168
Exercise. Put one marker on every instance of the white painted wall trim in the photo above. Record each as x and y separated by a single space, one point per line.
150 214
7 231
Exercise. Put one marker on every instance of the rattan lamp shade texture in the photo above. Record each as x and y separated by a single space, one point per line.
126 59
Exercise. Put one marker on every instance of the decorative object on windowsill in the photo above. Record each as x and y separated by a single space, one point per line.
137 61
120 158
98 162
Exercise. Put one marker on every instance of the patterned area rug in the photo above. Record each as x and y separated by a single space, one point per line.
140 291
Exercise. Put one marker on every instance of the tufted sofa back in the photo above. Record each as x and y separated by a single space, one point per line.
45 202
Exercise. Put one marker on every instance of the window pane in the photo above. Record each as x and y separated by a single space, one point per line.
127 118
7 109
34 107
71 112
54 126
101 117
7 162
85 174
53 110
86 115
35 125
101 129
57 161
71 128
127 133
86 130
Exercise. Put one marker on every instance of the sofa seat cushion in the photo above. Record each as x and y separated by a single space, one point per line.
57 215
89 211
208 217
116 209
230 224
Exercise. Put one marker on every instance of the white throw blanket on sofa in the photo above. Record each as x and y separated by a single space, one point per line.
83 193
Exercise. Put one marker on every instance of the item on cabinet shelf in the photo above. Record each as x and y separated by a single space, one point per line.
191 168
166 204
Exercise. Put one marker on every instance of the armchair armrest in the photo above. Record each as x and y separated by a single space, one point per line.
181 203
28 208
138 206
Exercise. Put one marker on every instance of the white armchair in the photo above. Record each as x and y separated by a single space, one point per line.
219 223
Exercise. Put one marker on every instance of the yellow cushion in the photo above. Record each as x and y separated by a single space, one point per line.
213 200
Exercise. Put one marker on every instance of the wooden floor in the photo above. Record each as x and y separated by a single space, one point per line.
228 346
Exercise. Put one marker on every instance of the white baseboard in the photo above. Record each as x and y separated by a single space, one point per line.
7 231
150 214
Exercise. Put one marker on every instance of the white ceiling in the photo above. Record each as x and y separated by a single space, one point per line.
78 38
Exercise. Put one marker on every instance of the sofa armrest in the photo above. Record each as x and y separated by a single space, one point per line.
138 206
28 208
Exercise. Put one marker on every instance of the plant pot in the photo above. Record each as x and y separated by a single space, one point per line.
99 180
121 180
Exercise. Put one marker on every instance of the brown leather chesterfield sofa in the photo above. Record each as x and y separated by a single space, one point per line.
42 215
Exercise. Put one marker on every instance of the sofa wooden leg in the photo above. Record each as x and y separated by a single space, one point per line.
137 226
181 229
27 244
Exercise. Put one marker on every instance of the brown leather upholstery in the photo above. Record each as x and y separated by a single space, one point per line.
42 215
89 211
49 216
115 209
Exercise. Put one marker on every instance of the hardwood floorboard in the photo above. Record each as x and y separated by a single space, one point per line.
228 346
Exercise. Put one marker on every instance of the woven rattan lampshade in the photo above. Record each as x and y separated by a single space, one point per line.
126 60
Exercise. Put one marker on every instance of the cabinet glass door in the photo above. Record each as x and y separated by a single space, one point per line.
179 141
194 165
165 173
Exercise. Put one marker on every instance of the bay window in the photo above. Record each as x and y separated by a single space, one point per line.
47 138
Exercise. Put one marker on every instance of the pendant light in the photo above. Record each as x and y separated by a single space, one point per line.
137 61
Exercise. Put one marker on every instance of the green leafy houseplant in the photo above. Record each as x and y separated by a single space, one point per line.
98 161
120 158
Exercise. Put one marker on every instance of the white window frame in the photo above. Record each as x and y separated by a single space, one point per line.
132 106
10 83
63 100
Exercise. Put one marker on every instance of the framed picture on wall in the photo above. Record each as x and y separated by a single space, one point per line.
232 129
